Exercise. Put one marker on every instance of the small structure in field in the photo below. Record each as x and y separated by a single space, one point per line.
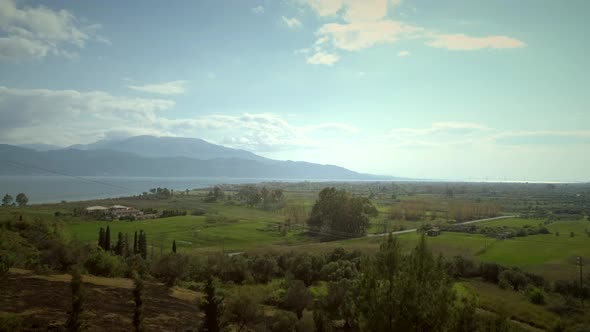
97 211
124 212
435 231
116 212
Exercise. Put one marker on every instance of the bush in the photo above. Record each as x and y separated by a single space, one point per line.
297 298
536 295
263 268
101 263
490 272
199 212
234 269
170 268
338 270
283 321
515 279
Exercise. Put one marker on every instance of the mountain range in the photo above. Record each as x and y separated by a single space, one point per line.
161 157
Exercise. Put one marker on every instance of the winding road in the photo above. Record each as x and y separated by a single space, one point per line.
461 223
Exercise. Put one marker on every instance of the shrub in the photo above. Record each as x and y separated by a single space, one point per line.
283 321
338 270
101 263
297 298
490 271
199 212
535 295
263 268
515 278
170 268
234 269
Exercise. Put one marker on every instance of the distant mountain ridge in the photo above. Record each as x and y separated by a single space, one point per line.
151 146
163 157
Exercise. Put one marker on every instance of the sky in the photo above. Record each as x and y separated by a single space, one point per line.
455 89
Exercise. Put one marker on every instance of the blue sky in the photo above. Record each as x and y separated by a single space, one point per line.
456 89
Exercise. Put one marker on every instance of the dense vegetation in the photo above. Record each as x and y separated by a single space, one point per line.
399 285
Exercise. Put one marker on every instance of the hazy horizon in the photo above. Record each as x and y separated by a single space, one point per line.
411 88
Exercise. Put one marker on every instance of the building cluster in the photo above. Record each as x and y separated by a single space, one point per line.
117 212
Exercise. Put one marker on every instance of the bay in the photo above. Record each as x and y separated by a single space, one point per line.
54 189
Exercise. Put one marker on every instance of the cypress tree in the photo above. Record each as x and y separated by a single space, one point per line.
142 244
174 246
144 248
211 307
75 323
135 249
101 237
138 298
119 245
107 241
125 249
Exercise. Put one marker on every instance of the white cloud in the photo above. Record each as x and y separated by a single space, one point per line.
357 36
35 32
365 10
354 25
403 53
38 115
291 22
167 88
438 134
325 7
258 10
462 42
352 10
322 58
65 117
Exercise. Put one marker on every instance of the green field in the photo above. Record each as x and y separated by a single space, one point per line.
231 228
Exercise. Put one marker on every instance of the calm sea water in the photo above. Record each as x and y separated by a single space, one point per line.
52 189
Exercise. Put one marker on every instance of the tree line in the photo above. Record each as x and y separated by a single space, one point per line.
21 199
122 246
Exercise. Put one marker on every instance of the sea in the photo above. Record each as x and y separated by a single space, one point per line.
54 189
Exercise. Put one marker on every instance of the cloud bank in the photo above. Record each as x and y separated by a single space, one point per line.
36 32
355 25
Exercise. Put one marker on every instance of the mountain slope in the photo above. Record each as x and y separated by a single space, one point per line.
20 161
151 146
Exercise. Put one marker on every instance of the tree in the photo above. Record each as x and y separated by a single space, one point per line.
142 244
138 298
243 311
340 214
75 322
214 195
125 251
263 268
212 307
404 293
135 248
119 245
174 246
107 239
101 238
7 200
170 268
297 297
22 199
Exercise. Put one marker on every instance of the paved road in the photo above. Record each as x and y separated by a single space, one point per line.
461 223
